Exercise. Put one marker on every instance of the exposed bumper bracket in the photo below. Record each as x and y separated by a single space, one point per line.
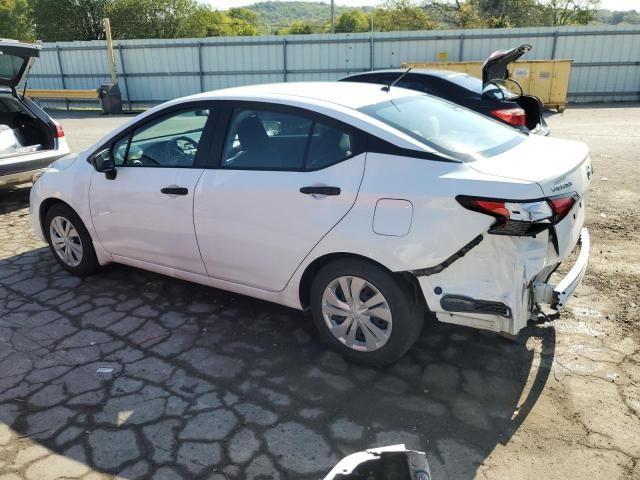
558 295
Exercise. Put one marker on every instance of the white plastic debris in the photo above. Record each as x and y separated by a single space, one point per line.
104 370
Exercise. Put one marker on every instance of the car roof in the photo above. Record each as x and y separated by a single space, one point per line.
346 94
419 71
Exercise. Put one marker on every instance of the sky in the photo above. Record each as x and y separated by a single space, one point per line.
224 4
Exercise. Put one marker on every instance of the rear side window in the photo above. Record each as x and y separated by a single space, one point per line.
263 139
329 145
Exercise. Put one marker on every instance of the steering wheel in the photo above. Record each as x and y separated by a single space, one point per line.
176 149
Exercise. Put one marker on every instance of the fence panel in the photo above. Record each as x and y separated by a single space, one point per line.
606 59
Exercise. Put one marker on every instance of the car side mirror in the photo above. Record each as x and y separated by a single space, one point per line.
103 162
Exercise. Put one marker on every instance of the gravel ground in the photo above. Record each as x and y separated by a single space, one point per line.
208 384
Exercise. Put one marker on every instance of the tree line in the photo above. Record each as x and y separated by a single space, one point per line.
61 20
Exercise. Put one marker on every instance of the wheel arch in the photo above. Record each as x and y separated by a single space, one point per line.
45 206
306 280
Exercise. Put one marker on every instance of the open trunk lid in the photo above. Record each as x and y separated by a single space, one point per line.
558 166
15 60
495 67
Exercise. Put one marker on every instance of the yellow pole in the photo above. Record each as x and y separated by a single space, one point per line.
112 58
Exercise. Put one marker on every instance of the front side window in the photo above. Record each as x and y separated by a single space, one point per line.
169 141
446 127
264 139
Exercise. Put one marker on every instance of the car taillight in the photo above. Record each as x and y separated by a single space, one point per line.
520 217
513 116
562 205
59 130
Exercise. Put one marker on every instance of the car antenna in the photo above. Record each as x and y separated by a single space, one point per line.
386 88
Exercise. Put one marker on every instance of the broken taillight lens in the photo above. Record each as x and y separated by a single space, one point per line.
513 116
520 217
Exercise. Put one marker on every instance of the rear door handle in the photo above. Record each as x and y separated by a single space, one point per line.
320 190
174 191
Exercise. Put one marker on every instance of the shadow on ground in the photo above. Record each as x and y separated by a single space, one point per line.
132 373
14 198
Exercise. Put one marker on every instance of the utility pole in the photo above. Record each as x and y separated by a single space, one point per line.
333 30
110 54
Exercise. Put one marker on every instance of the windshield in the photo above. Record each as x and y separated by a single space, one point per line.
446 127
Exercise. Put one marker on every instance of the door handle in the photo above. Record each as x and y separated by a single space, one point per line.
174 191
320 190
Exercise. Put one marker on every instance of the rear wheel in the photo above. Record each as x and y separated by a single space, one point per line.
70 241
364 313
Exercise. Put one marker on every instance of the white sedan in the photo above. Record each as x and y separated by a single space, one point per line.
367 205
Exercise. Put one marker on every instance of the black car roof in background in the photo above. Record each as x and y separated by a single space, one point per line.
420 71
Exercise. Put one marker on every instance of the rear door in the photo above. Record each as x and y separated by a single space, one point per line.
285 178
15 60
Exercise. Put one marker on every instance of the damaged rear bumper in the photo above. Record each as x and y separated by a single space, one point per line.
496 282
558 295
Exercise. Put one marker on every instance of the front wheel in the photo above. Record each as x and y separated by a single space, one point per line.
70 241
364 313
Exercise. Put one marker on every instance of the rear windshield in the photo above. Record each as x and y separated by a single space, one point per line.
446 127
10 66
473 84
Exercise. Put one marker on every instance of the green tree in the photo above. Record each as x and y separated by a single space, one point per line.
488 13
149 18
59 20
296 28
16 20
243 21
569 12
205 22
401 15
352 21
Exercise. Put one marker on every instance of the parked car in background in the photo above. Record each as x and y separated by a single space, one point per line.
366 206
29 138
489 96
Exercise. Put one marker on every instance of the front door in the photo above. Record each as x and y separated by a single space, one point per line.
146 212
285 179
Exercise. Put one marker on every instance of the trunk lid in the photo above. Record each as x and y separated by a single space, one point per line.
15 60
559 167
495 67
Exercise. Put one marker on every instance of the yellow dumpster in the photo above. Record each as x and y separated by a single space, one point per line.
546 79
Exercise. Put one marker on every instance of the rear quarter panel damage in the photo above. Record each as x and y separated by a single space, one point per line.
500 268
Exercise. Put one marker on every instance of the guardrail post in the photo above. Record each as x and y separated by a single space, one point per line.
124 75
284 59
555 45
200 71
64 84
461 51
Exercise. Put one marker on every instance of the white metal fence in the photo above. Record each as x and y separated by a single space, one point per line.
606 59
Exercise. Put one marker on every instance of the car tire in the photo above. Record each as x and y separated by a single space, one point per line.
70 241
378 326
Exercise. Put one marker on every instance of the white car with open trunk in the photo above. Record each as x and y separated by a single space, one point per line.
369 205
29 138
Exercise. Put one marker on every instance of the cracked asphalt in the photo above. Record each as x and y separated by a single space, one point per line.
131 375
